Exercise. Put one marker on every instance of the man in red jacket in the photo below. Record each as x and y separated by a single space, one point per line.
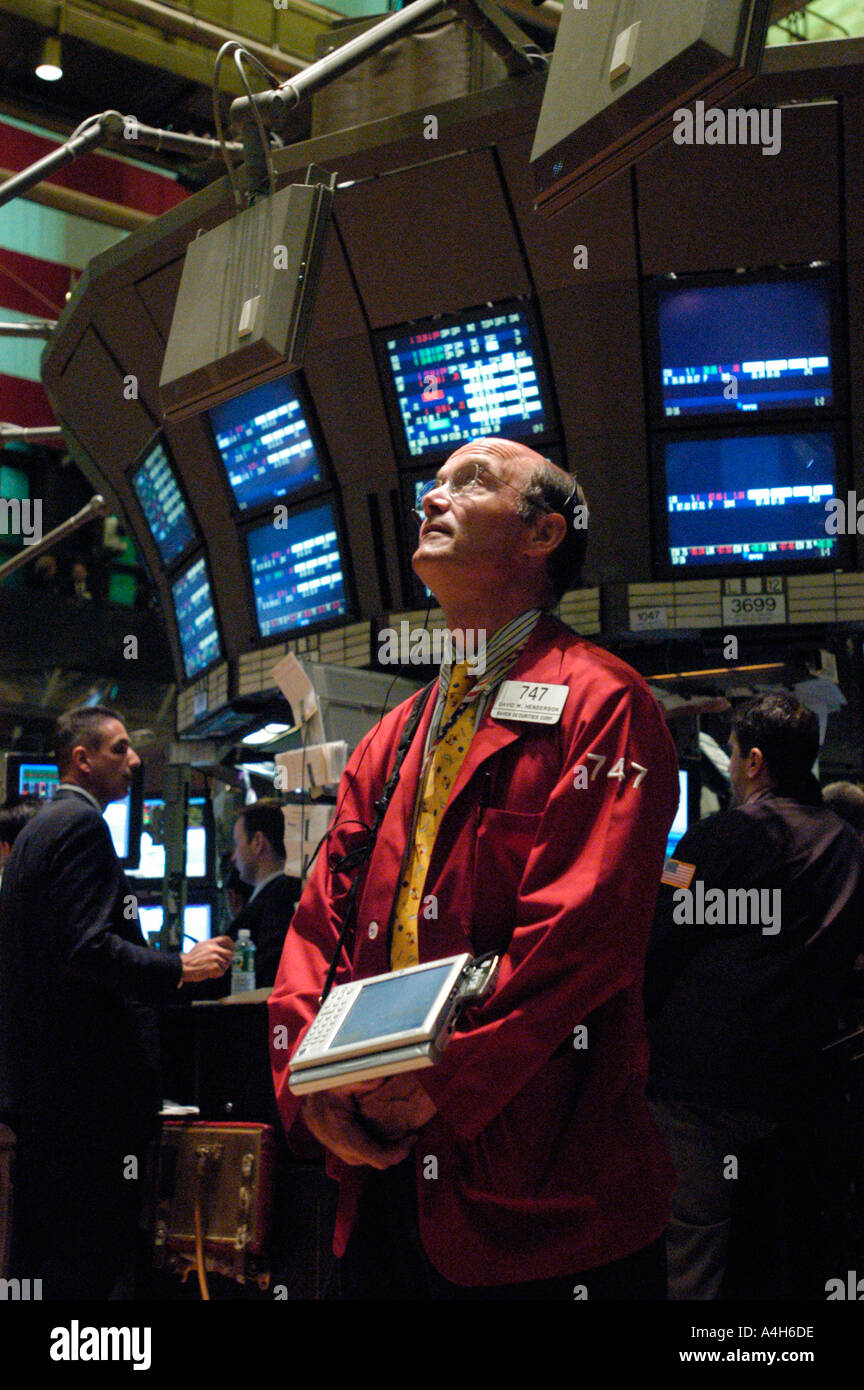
525 1163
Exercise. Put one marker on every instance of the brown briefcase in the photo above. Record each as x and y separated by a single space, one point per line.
213 1198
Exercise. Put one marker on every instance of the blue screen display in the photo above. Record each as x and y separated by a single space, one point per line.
38 779
296 570
750 498
396 1005
196 619
456 383
747 347
265 444
165 511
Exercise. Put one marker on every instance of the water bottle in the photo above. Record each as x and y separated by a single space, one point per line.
243 964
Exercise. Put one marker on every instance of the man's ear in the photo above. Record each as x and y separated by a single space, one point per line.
548 530
755 761
80 758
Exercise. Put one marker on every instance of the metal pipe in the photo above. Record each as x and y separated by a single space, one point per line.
97 506
171 140
64 154
99 130
35 328
29 432
275 105
519 53
57 195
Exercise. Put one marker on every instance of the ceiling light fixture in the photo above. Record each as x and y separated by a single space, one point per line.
50 65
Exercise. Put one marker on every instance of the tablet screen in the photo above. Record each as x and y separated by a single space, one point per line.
396 1005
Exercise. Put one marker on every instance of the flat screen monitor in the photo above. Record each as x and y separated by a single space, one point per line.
30 776
266 443
732 501
455 379
619 74
738 345
163 504
152 861
197 923
297 571
200 644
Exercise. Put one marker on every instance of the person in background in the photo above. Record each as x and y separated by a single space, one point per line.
43 573
13 818
237 893
741 996
80 582
259 857
79 1054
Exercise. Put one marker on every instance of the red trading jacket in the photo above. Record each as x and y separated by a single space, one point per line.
550 849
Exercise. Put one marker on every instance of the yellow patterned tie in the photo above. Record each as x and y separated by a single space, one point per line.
443 769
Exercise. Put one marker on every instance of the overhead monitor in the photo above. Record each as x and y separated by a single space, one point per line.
620 74
732 502
161 499
734 345
30 775
200 643
246 298
454 379
266 444
297 571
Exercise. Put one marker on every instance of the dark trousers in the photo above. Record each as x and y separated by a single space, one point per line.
385 1258
710 1149
75 1220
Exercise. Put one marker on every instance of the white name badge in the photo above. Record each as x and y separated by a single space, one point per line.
535 704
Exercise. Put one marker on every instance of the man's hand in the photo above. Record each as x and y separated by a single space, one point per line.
396 1106
331 1116
208 960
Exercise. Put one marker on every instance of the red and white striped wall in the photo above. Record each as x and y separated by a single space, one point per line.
43 248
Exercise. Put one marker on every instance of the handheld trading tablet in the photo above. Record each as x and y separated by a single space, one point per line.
388 1023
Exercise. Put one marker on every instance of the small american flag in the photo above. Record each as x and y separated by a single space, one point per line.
677 874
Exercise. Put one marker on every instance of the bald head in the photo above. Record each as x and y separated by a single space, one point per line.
506 538
520 462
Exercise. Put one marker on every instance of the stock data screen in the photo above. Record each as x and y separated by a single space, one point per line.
297 571
264 441
196 619
161 500
750 499
478 377
745 348
38 779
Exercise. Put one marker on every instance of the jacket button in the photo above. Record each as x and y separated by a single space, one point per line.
373 930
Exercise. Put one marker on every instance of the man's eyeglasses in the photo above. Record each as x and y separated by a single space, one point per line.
465 481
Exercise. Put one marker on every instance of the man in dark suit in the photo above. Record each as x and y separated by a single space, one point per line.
747 965
259 855
78 1027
